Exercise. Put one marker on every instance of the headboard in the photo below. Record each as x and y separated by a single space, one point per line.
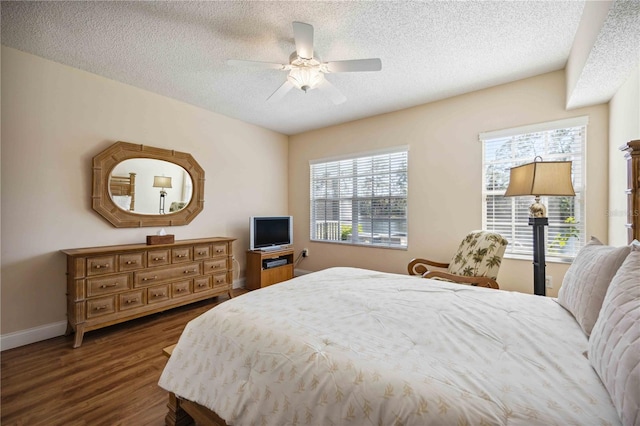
124 186
632 155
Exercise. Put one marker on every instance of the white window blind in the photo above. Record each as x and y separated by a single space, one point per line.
557 141
361 199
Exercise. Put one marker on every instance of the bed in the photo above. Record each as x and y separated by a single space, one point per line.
348 346
123 191
352 346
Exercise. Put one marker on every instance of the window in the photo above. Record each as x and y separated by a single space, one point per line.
561 140
361 199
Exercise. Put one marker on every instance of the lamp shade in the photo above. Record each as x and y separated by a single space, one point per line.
162 182
541 178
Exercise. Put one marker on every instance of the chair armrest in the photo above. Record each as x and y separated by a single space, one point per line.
419 266
474 281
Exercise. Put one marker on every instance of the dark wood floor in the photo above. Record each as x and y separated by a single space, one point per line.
110 380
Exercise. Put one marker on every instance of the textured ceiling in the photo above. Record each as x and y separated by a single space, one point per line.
429 50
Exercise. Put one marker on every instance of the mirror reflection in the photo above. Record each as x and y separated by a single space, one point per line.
149 186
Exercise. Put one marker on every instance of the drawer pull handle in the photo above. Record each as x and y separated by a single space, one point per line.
201 253
131 262
201 285
179 256
99 308
178 290
159 258
106 265
219 281
158 294
219 251
109 285
150 278
131 300
215 266
190 271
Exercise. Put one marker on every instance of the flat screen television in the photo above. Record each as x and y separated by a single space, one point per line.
270 232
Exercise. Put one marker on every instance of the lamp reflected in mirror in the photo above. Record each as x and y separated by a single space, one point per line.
162 182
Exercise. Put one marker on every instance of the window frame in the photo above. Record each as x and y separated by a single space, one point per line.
360 238
551 255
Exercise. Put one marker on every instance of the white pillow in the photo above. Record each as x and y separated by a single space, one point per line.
122 201
587 279
614 346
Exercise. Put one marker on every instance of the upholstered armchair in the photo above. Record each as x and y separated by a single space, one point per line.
476 262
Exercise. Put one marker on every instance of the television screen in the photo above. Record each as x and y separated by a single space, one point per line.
271 232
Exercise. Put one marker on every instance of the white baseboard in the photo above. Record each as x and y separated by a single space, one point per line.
298 272
32 335
49 331
239 283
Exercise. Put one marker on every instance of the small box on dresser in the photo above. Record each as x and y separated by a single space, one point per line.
113 284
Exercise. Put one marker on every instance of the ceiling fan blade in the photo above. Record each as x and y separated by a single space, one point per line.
303 35
332 91
355 65
255 64
280 92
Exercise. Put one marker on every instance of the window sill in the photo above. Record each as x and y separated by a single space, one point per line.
347 243
548 259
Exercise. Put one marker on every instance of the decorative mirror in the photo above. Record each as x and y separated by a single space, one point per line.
138 185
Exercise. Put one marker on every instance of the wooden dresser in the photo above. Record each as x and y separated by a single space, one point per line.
109 285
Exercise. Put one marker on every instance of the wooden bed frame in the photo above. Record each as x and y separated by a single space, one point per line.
124 185
184 412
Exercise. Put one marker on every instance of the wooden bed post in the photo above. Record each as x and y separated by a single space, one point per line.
176 416
632 155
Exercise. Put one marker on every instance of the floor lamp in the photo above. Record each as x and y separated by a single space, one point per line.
539 178
162 182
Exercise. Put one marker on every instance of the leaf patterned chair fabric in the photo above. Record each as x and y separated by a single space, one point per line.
476 262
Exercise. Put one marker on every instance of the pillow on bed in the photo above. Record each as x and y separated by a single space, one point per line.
587 279
614 346
122 201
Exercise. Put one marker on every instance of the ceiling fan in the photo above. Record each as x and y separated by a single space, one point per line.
306 72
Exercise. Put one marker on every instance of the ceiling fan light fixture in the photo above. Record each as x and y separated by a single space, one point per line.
305 78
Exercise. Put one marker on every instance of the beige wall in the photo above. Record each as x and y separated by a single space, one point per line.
54 120
624 125
445 172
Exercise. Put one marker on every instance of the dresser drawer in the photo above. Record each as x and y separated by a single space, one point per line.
152 276
201 252
101 265
215 265
219 280
101 306
201 283
179 289
220 249
131 261
158 257
107 285
181 254
157 293
132 299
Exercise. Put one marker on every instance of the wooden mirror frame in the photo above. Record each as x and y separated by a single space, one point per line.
106 161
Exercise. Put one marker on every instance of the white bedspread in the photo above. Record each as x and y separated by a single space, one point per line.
349 346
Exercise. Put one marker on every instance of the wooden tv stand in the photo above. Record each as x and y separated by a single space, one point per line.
259 277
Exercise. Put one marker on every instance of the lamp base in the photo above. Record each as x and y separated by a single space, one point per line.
539 263
537 209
